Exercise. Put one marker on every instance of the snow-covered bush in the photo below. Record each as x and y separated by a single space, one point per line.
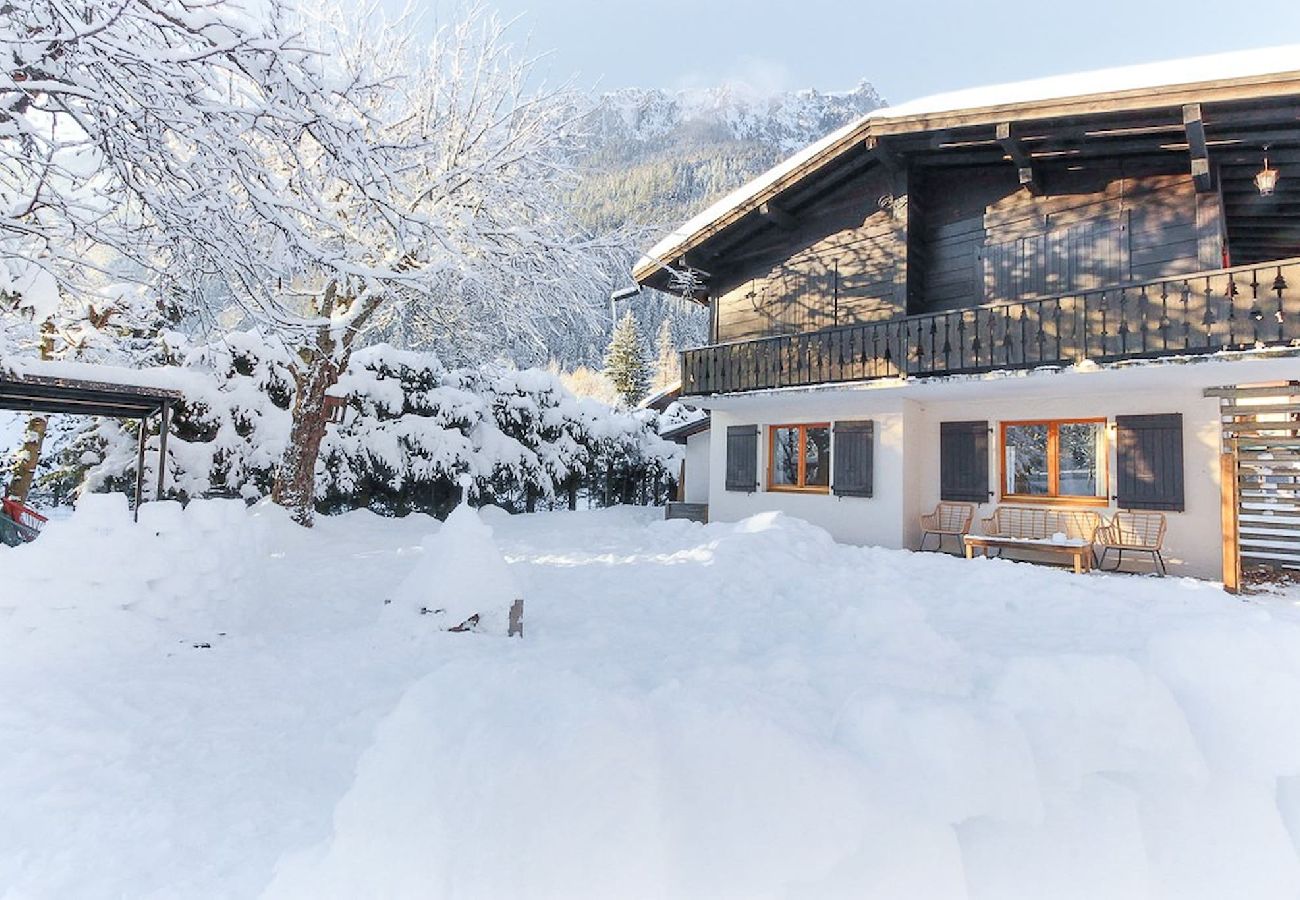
411 430
226 436
414 428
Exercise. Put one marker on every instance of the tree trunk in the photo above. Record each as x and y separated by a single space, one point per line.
295 479
24 470
20 485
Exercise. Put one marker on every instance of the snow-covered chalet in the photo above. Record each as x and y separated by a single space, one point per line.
1081 292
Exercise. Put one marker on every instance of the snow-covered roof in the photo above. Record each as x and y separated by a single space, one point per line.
163 379
1172 73
662 397
698 421
1187 72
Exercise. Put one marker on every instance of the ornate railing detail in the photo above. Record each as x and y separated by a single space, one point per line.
1227 309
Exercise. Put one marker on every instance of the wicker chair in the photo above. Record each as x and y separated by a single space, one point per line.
947 519
1135 532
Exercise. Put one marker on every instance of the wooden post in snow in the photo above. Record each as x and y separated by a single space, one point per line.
1228 519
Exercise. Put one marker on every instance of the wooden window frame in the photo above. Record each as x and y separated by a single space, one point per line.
801 487
1054 497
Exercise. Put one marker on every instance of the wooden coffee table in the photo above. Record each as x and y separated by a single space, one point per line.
1079 552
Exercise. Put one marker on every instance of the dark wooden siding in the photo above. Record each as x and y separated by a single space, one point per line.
986 239
955 239
837 266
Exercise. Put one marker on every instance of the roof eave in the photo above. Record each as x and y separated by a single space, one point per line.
1262 87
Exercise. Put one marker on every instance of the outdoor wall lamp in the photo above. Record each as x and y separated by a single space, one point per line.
1266 180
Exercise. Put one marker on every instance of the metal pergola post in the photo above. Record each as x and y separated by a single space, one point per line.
164 424
139 467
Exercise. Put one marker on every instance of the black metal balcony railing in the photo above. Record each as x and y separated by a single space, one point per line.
1226 309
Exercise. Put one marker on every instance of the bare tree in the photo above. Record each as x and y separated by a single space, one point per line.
328 179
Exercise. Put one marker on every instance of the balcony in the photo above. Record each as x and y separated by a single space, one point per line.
1226 309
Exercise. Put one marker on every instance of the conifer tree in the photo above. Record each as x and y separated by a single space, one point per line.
625 361
667 366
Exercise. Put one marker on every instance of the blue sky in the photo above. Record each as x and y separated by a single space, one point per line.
907 48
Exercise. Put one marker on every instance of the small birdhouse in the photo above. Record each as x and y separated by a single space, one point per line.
335 409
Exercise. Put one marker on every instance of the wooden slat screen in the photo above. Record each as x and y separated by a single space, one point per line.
1149 453
742 458
964 461
1084 256
853 459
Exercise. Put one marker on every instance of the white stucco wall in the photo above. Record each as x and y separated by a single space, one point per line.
907 417
1192 544
697 468
860 520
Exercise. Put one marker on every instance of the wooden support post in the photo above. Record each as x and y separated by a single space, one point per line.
1025 172
1210 231
164 423
139 467
1196 147
899 210
1228 519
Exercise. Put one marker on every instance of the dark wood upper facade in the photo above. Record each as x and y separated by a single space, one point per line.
983 239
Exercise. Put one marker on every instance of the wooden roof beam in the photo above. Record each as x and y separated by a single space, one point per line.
887 157
1194 126
1025 171
778 216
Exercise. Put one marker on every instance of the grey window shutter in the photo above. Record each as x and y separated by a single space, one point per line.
1149 453
742 458
964 461
852 459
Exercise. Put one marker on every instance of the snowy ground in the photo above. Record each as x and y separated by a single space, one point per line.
744 710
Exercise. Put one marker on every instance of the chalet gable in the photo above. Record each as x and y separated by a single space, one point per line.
1211 118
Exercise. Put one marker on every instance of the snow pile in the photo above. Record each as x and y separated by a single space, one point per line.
462 581
166 571
738 710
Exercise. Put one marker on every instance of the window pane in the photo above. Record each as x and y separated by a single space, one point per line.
1026 459
817 470
785 456
1079 452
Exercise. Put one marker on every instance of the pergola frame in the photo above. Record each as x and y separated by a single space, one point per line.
46 394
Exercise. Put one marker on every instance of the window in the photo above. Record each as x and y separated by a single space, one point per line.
799 458
1051 460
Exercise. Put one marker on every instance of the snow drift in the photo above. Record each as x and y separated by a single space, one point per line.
731 710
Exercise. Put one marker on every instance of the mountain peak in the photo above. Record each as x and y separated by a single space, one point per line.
782 121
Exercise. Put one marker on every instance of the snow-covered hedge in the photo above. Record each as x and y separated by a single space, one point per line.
411 429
